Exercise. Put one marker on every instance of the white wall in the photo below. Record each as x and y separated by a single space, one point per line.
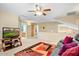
52 37
7 20
49 27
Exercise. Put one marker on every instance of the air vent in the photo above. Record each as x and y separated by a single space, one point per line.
74 13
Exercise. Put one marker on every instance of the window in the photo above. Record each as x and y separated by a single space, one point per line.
23 27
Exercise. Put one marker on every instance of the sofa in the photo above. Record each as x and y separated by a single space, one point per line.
63 47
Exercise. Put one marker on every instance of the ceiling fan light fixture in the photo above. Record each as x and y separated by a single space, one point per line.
39 13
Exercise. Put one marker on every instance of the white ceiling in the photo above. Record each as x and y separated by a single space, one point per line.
20 9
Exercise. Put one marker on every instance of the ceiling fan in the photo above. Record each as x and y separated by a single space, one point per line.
38 10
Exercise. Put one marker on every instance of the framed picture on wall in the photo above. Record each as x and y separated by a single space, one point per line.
43 28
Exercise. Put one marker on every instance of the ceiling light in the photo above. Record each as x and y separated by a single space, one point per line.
38 13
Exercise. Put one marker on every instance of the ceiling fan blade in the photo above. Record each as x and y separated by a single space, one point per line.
44 14
35 14
47 10
38 8
31 11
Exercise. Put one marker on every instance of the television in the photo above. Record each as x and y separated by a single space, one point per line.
9 32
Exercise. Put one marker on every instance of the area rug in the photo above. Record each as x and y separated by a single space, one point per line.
28 52
32 50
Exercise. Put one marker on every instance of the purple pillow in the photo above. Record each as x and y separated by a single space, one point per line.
70 45
66 46
68 39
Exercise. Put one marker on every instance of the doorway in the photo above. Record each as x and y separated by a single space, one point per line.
32 31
